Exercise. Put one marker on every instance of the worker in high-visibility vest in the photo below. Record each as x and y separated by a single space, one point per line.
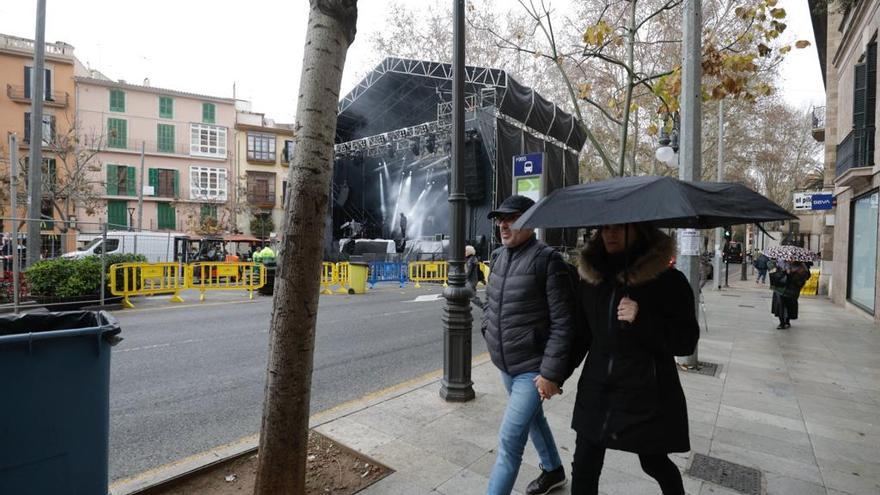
264 254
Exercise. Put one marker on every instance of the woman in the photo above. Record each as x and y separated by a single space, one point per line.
786 283
640 313
473 274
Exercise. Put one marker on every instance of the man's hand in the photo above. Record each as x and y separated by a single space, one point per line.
627 310
546 388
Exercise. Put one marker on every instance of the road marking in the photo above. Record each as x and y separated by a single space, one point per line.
428 298
254 439
182 306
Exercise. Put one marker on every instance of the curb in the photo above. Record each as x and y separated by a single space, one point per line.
148 480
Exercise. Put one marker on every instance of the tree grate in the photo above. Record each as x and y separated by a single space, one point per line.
736 477
702 368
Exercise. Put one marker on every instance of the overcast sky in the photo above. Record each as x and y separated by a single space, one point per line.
206 46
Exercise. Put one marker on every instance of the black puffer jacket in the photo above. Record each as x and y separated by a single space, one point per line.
527 327
629 395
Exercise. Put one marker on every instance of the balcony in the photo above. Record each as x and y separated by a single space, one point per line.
855 158
58 99
819 124
106 143
261 200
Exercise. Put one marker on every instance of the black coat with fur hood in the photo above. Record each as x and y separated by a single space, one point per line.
629 395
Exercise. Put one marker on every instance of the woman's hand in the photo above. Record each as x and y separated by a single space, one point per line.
627 310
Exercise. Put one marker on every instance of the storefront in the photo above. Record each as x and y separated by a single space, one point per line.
863 251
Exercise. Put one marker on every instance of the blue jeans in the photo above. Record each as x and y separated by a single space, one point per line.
762 275
523 419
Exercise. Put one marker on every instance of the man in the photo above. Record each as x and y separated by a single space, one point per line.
403 226
473 274
528 327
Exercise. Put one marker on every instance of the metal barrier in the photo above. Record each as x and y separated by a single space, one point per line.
328 277
218 275
141 279
428 271
387 271
341 277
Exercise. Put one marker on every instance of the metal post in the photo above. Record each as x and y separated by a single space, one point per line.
456 385
103 260
691 116
140 199
35 161
13 200
719 231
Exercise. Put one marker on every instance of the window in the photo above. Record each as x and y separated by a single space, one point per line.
28 84
49 176
284 187
167 216
165 182
208 211
288 151
207 183
117 214
207 140
864 103
261 147
165 138
863 251
117 100
48 129
120 181
261 189
208 113
117 133
47 214
166 107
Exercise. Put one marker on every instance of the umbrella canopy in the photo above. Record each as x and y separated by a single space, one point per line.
662 201
789 253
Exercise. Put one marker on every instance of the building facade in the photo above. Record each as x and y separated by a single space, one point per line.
59 107
847 44
263 153
187 144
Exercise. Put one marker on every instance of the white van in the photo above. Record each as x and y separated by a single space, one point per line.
156 246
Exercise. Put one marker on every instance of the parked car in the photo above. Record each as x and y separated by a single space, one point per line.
156 246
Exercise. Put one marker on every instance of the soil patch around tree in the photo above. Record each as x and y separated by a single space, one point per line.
332 469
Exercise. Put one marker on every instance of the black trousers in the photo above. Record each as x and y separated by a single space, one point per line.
589 458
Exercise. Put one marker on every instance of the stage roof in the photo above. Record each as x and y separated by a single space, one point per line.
400 93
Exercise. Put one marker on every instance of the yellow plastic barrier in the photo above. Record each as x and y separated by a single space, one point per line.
342 277
215 275
140 279
328 277
428 271
485 269
811 288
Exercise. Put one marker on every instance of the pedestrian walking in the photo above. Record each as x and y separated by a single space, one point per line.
786 283
473 274
762 264
640 313
527 324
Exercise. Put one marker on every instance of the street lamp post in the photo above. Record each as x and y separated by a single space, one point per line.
456 385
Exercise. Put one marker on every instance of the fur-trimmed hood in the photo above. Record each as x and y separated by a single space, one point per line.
644 268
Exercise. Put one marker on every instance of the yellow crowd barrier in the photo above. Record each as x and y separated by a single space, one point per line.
428 271
218 275
329 276
811 288
140 279
485 269
143 279
342 277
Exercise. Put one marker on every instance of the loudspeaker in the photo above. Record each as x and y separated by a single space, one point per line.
474 171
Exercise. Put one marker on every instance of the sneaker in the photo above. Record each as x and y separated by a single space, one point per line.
547 481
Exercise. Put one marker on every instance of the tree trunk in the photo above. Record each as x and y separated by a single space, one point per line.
281 467
627 101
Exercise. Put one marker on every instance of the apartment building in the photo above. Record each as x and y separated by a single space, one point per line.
178 146
263 153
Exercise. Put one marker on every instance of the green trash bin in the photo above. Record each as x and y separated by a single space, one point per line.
54 422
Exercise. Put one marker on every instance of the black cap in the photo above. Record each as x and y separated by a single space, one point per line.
513 204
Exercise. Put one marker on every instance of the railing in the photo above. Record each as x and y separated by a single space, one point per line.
16 43
856 150
19 94
261 200
818 117
150 147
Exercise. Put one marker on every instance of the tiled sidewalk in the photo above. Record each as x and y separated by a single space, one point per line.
802 405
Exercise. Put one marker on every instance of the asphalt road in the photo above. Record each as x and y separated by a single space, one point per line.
190 377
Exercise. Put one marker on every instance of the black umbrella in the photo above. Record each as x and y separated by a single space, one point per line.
661 201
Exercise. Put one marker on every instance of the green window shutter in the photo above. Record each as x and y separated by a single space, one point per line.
167 217
117 100
177 183
166 107
165 138
117 214
208 113
130 184
154 180
112 180
208 211
117 135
